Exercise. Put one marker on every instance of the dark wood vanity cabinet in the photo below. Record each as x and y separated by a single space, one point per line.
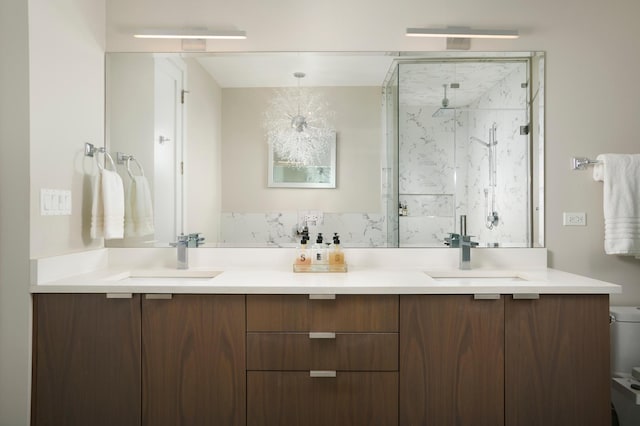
157 360
86 360
322 361
451 360
557 361
193 360
535 362
139 361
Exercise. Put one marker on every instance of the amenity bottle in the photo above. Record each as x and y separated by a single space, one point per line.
336 255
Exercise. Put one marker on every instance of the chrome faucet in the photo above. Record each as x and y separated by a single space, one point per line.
195 240
465 244
182 243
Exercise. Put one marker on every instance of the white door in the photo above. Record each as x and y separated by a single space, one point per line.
168 149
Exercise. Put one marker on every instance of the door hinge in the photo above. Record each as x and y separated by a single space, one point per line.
182 167
182 95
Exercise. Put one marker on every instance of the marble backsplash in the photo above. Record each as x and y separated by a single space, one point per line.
279 229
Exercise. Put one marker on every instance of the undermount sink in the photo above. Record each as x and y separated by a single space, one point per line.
479 279
156 276
477 275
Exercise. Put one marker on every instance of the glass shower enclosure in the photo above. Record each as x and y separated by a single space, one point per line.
458 142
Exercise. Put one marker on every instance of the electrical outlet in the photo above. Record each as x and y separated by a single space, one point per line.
574 219
310 218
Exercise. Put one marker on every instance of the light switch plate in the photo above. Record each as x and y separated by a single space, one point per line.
55 202
574 219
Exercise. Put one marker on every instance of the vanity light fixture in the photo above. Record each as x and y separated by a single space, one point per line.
192 34
457 32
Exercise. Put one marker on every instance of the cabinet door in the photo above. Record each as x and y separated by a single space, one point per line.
290 398
451 360
193 370
86 358
557 361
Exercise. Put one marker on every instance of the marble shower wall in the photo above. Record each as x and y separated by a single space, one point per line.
427 174
504 105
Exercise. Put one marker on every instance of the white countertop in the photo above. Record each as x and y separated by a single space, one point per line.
103 276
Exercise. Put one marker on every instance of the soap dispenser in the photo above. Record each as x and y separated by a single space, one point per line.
336 255
303 259
319 256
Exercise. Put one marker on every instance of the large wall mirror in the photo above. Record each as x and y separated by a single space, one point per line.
419 140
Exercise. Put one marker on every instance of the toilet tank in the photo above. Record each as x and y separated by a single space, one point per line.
625 339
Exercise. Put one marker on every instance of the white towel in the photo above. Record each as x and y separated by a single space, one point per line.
107 208
621 202
138 213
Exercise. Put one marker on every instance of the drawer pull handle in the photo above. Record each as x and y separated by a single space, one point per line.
322 335
322 373
526 296
486 296
322 297
159 296
119 295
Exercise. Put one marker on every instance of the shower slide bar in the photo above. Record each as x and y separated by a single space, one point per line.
581 163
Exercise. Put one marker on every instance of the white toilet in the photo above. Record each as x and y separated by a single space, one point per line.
625 355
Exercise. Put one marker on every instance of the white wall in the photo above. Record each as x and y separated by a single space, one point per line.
66 79
593 64
15 301
51 82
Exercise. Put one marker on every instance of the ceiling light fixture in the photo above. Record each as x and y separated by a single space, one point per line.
192 34
461 33
298 123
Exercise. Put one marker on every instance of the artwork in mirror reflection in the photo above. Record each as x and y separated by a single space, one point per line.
412 157
320 173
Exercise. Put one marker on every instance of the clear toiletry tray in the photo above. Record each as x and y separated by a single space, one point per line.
320 268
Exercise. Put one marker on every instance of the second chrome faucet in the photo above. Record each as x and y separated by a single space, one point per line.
462 241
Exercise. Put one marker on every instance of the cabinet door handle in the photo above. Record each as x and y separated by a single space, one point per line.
159 296
486 296
322 373
322 297
119 295
526 296
322 335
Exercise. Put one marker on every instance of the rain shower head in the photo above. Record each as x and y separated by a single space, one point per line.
445 100
444 111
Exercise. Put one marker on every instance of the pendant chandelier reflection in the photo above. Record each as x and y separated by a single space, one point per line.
298 125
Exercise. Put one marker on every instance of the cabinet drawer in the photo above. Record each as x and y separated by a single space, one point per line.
295 398
345 352
345 313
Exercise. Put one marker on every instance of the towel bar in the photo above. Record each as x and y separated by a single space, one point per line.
581 163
